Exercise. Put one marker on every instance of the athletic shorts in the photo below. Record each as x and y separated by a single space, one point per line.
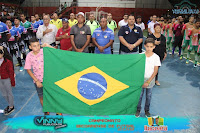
186 43
191 47
39 91
13 45
169 39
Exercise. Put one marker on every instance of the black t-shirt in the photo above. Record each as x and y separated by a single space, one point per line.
131 36
160 49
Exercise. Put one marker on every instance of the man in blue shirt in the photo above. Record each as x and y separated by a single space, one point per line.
34 26
103 38
38 19
130 37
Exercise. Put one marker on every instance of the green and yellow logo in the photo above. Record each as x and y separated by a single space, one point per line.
155 123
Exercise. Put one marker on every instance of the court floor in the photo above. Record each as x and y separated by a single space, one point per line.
178 95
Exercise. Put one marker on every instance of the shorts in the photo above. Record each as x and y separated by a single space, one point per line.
169 39
186 43
39 91
13 45
191 47
4 44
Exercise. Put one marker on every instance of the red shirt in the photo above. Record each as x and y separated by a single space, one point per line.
7 71
178 29
65 44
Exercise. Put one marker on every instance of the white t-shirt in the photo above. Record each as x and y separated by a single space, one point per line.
122 23
151 62
151 26
141 26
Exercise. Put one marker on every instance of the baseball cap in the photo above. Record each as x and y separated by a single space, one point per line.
80 13
64 20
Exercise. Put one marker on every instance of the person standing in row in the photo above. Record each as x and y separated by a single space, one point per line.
151 25
72 20
130 37
63 35
123 22
38 19
140 24
47 32
186 40
34 26
93 24
160 46
80 35
178 35
56 21
27 34
103 38
112 25
7 79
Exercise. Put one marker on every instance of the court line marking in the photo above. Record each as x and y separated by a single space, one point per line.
6 127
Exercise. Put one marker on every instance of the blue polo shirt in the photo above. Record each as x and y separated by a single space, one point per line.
131 36
103 38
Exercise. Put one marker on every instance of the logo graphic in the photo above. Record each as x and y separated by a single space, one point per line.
44 121
82 32
155 123
185 7
126 32
91 85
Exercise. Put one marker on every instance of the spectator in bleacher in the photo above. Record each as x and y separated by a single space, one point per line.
65 5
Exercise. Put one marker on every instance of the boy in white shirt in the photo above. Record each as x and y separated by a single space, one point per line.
151 69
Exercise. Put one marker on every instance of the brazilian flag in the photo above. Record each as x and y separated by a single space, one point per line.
92 84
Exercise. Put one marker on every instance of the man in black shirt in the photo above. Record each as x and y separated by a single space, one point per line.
130 37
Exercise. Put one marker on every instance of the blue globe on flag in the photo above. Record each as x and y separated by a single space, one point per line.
92 86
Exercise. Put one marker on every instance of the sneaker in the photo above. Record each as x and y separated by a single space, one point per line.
187 61
181 57
17 64
46 113
137 114
21 69
58 113
9 111
147 114
195 65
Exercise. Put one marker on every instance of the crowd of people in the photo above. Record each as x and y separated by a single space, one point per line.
23 40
